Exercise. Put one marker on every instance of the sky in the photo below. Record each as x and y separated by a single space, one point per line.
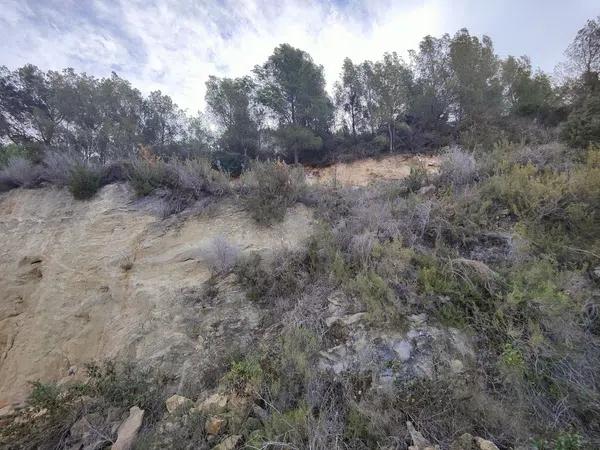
174 45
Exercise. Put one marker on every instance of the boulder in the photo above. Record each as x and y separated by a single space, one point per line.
215 404
484 444
127 433
215 425
468 442
427 190
229 443
176 402
419 441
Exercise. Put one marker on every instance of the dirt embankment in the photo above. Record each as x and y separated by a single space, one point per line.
105 278
84 281
365 171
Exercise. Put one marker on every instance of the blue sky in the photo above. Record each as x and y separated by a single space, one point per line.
173 45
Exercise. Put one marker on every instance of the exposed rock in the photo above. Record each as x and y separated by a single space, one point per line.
176 402
215 425
427 190
65 300
229 443
215 404
468 442
419 441
463 442
484 444
127 432
398 356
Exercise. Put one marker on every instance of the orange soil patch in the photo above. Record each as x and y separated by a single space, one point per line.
365 171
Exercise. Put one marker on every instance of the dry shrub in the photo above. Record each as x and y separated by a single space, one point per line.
58 166
221 256
199 178
270 188
475 273
457 167
19 172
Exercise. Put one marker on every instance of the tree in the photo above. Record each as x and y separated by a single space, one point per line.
162 122
366 74
582 127
298 139
526 94
292 87
392 81
229 100
584 51
349 94
28 105
434 81
476 85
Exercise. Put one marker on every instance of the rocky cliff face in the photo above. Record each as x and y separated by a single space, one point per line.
107 278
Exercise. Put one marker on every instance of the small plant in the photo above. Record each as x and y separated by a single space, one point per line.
417 178
221 256
244 377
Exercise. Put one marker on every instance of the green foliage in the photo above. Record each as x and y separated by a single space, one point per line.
45 396
271 187
298 140
84 181
14 151
243 377
146 176
229 100
417 178
267 280
375 293
289 426
582 127
292 87
125 384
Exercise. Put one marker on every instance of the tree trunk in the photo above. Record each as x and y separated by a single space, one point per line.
353 124
391 133
295 156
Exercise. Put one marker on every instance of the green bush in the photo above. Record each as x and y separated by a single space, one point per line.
270 188
417 178
13 151
582 127
84 181
146 176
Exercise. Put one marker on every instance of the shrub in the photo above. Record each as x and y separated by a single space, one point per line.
19 172
221 256
264 280
457 167
270 188
417 178
54 408
244 377
14 151
57 167
147 175
84 181
230 163
198 177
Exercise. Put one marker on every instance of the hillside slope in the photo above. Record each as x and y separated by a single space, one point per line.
86 281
